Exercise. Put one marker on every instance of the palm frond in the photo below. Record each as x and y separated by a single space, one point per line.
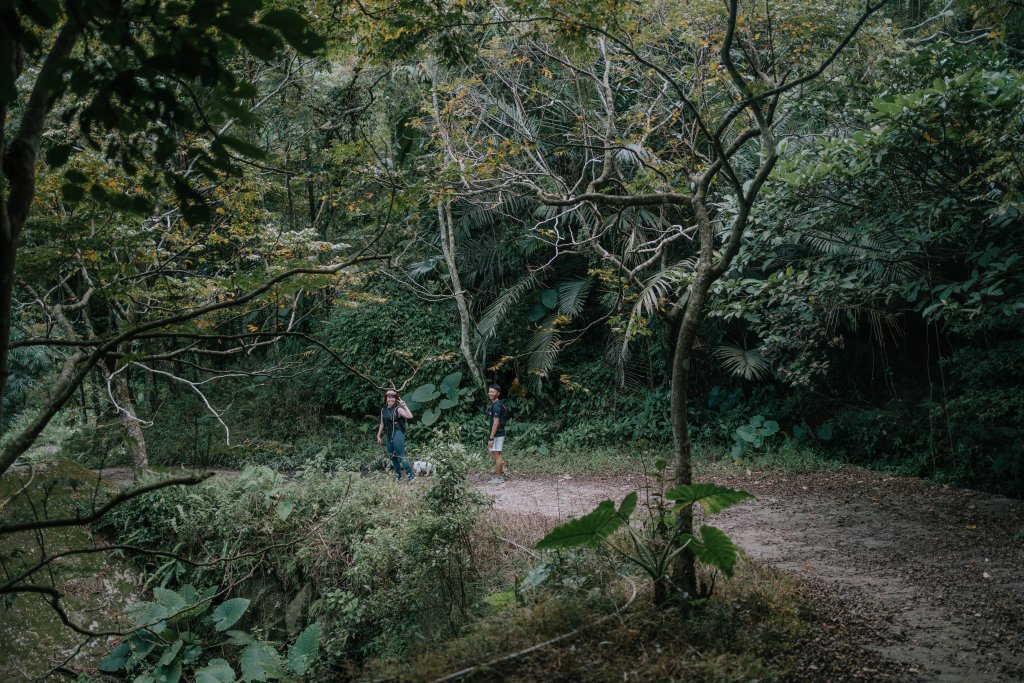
542 349
667 285
496 312
745 363
572 294
662 286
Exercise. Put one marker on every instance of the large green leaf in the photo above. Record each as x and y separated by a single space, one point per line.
170 654
716 550
591 528
549 297
628 506
118 659
711 497
424 393
239 638
450 385
170 599
228 612
217 671
305 649
149 614
260 662
167 673
430 416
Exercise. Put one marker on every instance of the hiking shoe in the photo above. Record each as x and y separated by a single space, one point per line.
411 479
505 474
496 481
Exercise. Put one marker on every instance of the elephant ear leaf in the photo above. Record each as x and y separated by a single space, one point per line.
228 612
424 393
592 528
450 386
711 497
715 549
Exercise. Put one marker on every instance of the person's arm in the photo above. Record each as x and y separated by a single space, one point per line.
380 430
403 410
495 423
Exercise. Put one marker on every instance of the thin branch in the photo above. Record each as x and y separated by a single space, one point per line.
110 505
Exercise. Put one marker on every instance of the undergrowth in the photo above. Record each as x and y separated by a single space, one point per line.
738 635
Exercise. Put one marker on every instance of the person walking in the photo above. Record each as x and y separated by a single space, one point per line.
496 417
391 430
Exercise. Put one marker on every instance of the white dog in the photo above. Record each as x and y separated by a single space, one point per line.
422 467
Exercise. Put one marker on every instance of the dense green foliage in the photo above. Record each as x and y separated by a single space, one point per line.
348 552
239 222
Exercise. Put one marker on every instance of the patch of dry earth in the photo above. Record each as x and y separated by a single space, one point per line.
936 573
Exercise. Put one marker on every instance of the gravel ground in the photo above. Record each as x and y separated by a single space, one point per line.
919 581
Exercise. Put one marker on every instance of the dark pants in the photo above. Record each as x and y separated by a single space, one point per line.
396 449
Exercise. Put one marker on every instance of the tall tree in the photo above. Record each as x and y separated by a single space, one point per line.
637 111
147 85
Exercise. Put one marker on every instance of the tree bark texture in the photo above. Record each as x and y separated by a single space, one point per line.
126 411
447 226
18 161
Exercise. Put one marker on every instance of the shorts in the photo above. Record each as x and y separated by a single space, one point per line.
499 441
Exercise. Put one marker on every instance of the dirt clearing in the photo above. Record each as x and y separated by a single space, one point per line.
936 573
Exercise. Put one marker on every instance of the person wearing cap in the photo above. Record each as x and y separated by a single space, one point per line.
391 430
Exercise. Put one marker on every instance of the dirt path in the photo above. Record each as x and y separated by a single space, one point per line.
937 572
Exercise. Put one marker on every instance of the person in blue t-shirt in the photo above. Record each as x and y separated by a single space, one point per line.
496 433
391 431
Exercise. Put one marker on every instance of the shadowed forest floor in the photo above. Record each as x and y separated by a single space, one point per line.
931 577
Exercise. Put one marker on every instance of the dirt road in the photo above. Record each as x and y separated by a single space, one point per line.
938 571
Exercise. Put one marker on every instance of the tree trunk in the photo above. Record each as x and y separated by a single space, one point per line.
684 571
126 411
8 249
444 217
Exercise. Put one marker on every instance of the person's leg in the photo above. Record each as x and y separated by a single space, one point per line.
499 462
499 458
400 452
394 457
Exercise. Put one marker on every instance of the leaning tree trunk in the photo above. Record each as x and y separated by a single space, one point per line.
126 411
448 248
